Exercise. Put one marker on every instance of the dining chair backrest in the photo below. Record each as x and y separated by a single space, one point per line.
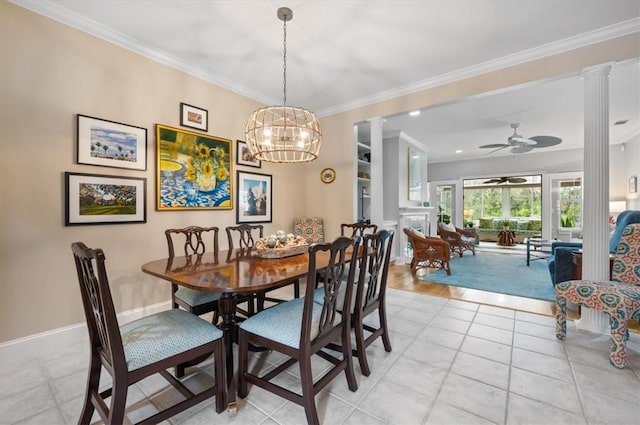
104 333
248 235
338 277
194 238
374 267
626 261
357 229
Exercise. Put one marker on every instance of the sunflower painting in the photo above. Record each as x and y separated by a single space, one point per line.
194 170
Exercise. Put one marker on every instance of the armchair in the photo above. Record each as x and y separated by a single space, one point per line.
428 252
459 239
560 262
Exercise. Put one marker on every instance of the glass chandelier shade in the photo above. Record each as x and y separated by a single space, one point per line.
283 133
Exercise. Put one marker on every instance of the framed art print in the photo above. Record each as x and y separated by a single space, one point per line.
193 171
111 144
633 184
194 117
243 155
255 200
98 199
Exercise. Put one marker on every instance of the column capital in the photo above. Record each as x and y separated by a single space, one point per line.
376 120
601 68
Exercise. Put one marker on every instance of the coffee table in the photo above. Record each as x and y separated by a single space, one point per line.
541 249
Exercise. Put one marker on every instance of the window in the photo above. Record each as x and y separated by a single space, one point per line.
499 197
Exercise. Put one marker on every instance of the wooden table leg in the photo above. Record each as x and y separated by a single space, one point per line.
227 304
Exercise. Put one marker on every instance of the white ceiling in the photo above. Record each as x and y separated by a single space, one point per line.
344 54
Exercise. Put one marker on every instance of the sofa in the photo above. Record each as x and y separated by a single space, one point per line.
560 262
523 228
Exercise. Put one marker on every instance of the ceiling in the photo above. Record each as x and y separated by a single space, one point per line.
346 54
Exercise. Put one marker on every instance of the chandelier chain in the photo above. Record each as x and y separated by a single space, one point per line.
284 66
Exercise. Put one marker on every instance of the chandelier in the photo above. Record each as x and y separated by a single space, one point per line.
283 133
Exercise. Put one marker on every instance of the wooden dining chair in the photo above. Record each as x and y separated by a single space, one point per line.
247 235
370 294
193 239
141 348
300 328
357 229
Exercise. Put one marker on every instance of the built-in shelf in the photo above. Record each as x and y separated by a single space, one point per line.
360 179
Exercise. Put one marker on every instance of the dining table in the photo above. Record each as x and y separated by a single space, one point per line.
234 274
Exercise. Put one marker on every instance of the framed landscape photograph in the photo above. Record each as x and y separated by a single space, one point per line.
111 144
194 171
98 199
243 155
255 200
194 117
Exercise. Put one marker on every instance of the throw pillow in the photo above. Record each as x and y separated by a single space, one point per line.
448 227
418 233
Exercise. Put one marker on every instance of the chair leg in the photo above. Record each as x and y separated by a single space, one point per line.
243 361
93 382
118 402
308 395
618 341
347 356
561 316
358 329
296 289
382 311
179 370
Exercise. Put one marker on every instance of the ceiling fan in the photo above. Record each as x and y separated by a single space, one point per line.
499 180
519 144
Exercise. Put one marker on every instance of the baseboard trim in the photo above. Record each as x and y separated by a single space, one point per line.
45 344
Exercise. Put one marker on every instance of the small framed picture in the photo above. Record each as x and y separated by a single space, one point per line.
633 184
194 117
98 199
244 155
111 144
254 195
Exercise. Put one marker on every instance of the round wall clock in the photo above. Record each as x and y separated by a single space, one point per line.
328 175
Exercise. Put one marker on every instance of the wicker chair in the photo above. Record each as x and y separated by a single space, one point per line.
428 252
461 240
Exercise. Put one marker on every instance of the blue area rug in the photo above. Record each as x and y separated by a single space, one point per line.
501 273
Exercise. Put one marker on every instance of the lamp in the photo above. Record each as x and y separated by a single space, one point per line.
615 208
283 133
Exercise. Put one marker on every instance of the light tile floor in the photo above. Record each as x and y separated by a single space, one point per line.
453 362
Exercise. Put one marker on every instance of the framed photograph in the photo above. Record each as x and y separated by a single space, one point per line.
194 117
111 144
243 155
255 200
98 199
633 184
193 171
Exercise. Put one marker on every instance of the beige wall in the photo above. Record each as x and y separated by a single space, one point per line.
50 72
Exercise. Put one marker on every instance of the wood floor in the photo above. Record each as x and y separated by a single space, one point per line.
400 277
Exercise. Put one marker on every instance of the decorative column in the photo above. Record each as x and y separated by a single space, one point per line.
595 223
376 185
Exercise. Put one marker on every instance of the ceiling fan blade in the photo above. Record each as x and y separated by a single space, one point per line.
516 180
492 181
496 150
546 141
522 149
523 140
493 145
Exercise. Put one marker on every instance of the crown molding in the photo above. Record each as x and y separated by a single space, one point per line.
66 17
596 36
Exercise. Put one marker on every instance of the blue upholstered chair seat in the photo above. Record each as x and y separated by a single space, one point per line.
195 298
162 335
283 322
